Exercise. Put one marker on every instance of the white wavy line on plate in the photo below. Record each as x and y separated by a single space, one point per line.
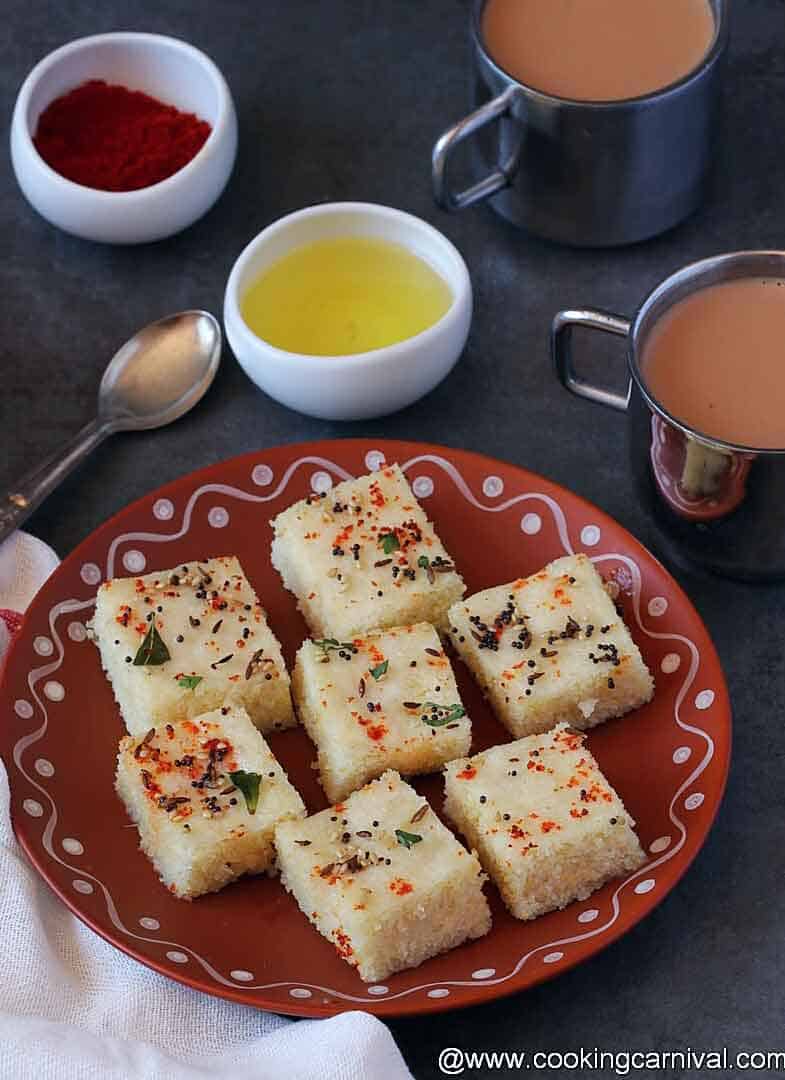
219 489
450 469
561 524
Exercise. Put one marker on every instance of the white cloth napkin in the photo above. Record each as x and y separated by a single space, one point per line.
74 1008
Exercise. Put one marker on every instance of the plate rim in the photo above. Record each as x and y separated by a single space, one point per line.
408 1005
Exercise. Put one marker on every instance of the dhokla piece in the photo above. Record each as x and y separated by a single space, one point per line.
364 557
180 642
206 794
385 701
547 825
551 648
382 879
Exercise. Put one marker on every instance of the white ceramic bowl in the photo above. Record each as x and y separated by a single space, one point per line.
170 70
366 384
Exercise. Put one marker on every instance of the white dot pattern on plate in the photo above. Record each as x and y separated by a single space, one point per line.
705 699
262 475
83 887
149 923
23 709
682 754
692 802
321 482
163 509
177 957
645 886
33 808
588 916
590 535
218 517
670 663
72 846
54 690
552 957
531 524
423 487
44 767
43 645
374 460
439 992
492 486
662 843
658 605
378 991
483 973
300 992
77 631
90 574
242 976
134 561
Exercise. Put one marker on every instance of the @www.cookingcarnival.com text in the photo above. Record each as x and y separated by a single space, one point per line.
455 1061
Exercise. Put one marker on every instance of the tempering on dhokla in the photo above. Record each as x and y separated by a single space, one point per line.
551 648
386 700
206 794
547 825
364 557
180 642
382 879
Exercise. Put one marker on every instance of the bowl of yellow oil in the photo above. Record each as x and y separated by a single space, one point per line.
347 311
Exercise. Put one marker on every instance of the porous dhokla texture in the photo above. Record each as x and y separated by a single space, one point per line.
551 648
364 557
385 701
206 795
382 879
210 646
547 825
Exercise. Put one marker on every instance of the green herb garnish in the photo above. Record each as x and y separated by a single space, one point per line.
153 651
424 562
189 682
389 542
327 644
439 715
248 783
380 669
407 839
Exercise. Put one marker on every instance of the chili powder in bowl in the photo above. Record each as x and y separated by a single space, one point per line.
125 137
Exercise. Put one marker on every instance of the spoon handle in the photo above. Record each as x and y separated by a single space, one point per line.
41 481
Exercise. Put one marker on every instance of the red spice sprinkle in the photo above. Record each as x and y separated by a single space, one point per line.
548 826
115 139
468 773
376 732
400 887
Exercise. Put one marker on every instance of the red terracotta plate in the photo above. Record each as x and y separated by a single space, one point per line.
250 942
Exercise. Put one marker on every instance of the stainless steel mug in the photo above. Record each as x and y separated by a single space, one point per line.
594 174
717 506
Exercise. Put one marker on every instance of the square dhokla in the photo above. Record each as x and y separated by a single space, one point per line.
214 631
382 879
364 557
200 826
385 701
551 648
547 825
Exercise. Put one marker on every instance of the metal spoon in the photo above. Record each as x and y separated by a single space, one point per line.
156 377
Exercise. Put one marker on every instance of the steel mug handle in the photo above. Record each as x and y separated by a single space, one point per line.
446 143
561 351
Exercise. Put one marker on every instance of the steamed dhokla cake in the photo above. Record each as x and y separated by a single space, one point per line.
547 825
206 795
387 700
180 642
551 648
364 557
382 879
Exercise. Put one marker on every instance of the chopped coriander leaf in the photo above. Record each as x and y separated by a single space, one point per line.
189 682
153 651
248 783
407 839
389 542
424 562
439 715
380 669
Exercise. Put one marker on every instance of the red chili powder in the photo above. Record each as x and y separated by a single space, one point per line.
116 139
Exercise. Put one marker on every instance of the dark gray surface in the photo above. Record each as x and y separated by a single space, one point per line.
341 99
